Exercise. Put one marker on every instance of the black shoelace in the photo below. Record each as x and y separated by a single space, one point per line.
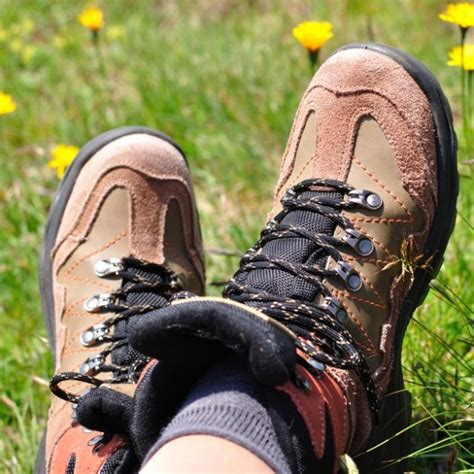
145 287
319 326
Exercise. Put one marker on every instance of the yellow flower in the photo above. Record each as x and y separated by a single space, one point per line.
461 14
7 104
92 18
62 156
313 34
456 57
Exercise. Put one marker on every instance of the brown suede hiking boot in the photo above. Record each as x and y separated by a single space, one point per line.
122 237
363 211
375 121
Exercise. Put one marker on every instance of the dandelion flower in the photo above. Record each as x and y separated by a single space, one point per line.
62 156
313 34
7 104
92 18
462 14
456 57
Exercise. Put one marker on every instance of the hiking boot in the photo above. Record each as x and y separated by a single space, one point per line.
122 237
363 211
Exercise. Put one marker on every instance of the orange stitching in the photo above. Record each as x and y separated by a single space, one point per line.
407 211
371 348
80 279
357 298
369 260
359 228
105 246
381 219
370 285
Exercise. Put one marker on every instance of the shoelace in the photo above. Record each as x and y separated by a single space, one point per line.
137 277
319 326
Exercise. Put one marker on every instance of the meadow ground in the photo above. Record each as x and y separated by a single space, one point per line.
223 78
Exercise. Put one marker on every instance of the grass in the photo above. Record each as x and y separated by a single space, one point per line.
223 78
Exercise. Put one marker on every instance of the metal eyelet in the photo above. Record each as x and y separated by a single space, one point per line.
92 365
290 193
351 278
269 226
317 366
94 335
74 411
302 383
359 242
97 302
365 199
96 442
333 306
108 267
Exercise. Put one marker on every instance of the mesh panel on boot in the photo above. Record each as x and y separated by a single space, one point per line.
294 250
71 464
114 462
126 355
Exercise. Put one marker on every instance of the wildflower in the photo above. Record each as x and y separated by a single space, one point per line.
92 18
462 56
62 156
7 104
462 14
313 34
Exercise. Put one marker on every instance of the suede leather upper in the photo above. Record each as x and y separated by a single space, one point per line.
132 197
364 120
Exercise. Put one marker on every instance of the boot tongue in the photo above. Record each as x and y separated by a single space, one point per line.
293 250
126 355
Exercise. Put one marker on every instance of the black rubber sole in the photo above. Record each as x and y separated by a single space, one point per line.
395 414
54 220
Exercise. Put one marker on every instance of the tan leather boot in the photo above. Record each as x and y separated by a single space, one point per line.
376 120
122 237
363 211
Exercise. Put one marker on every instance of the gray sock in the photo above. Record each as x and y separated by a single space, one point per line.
227 403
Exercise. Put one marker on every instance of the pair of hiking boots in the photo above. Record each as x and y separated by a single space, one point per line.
319 305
